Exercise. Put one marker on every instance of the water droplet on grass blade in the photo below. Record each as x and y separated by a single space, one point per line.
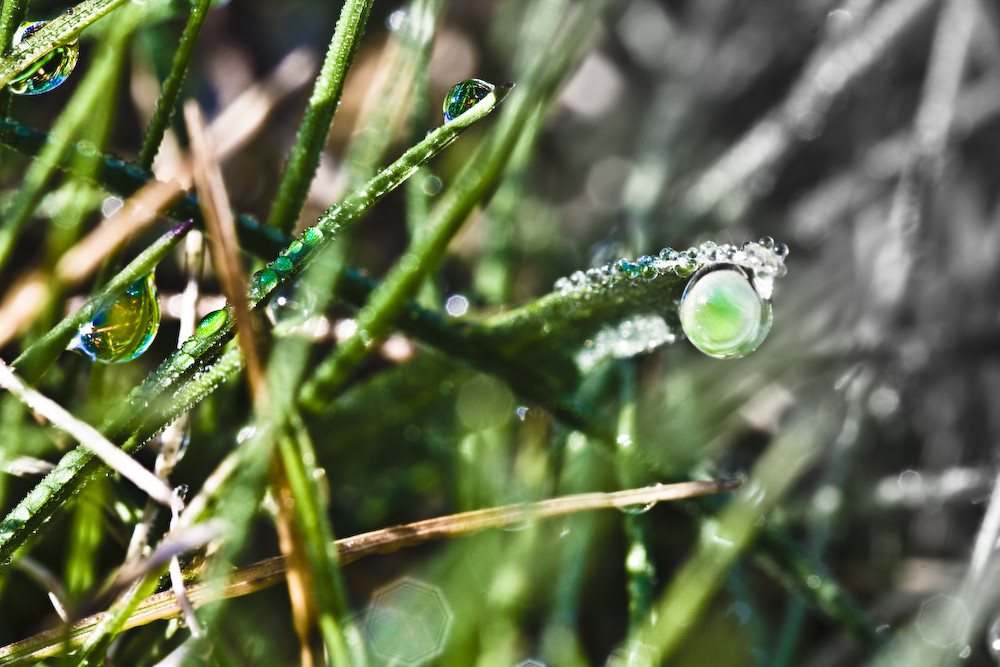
464 96
722 314
48 71
123 328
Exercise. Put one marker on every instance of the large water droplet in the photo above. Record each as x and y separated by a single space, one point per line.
722 314
292 310
123 328
48 71
464 96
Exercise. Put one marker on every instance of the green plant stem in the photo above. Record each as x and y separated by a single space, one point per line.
167 103
311 137
97 642
127 178
60 30
639 569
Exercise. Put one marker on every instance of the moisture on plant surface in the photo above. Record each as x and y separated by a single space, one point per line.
123 327
48 71
558 333
463 96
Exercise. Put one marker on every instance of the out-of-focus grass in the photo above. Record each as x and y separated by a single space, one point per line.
862 134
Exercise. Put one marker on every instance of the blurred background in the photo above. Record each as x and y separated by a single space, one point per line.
864 134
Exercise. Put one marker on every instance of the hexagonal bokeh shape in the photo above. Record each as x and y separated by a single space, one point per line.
943 620
408 622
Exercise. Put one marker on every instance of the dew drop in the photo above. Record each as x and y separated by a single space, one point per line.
48 71
311 235
282 265
292 310
212 323
295 251
123 328
722 314
264 281
464 96
636 509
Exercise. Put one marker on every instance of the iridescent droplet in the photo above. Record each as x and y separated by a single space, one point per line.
123 328
282 265
212 323
311 235
265 281
722 314
48 71
464 96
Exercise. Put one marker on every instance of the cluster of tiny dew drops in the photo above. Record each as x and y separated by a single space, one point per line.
725 309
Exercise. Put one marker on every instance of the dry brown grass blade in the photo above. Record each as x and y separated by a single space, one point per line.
272 571
224 245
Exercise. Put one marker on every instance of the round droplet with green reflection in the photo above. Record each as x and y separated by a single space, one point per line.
464 96
123 328
722 314
47 72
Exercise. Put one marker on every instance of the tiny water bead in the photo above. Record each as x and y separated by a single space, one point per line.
464 96
263 282
123 328
48 71
722 314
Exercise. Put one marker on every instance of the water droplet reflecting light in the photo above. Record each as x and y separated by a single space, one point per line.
722 314
124 328
464 96
48 71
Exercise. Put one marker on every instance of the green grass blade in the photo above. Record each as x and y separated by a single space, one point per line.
311 137
167 103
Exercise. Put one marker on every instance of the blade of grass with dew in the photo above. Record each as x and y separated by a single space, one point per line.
311 136
167 103
298 459
384 112
60 30
12 14
639 568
